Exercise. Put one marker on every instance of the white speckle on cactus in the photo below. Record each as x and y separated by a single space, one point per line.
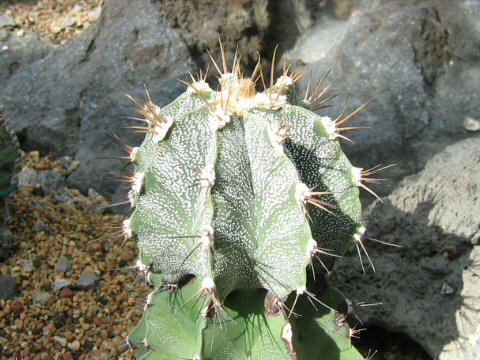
199 87
145 343
207 176
301 290
138 179
330 127
284 81
219 118
161 128
127 229
356 176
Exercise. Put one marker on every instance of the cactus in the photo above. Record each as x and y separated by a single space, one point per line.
10 155
241 202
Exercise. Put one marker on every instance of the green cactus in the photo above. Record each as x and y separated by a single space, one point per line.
10 155
242 200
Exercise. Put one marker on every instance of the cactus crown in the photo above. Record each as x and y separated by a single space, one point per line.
240 197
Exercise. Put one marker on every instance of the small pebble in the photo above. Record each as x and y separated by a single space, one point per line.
66 293
87 280
62 341
61 283
38 226
16 306
471 124
74 345
62 265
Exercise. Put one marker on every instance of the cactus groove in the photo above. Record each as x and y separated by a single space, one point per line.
241 202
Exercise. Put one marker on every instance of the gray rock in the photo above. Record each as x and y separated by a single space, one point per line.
87 280
39 226
74 95
430 288
26 176
42 298
416 59
6 21
94 309
50 181
62 265
8 287
28 265
21 51
59 284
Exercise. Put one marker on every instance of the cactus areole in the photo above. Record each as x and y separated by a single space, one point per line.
241 199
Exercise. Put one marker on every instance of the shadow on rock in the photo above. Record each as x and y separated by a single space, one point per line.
429 288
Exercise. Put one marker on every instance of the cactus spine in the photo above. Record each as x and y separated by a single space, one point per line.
241 200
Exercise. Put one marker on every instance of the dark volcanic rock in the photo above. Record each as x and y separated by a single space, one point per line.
430 287
419 60
65 102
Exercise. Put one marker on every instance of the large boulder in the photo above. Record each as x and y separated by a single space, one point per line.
417 59
65 102
429 288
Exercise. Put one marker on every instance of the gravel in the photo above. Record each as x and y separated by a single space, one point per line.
41 322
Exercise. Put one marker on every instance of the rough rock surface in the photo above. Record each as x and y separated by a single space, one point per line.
430 288
66 101
17 51
417 60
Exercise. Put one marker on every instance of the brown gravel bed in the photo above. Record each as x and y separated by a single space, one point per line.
57 20
71 323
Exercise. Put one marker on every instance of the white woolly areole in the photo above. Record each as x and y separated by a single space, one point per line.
145 343
138 179
302 193
277 136
133 153
287 333
219 118
359 234
207 176
127 228
270 101
199 87
356 176
141 266
284 81
206 236
131 198
161 129
301 290
204 312
197 357
208 284
150 298
311 247
330 127
127 341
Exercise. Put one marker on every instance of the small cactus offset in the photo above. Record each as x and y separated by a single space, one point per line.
241 201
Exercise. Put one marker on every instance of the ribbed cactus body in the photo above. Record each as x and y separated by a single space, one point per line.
238 198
